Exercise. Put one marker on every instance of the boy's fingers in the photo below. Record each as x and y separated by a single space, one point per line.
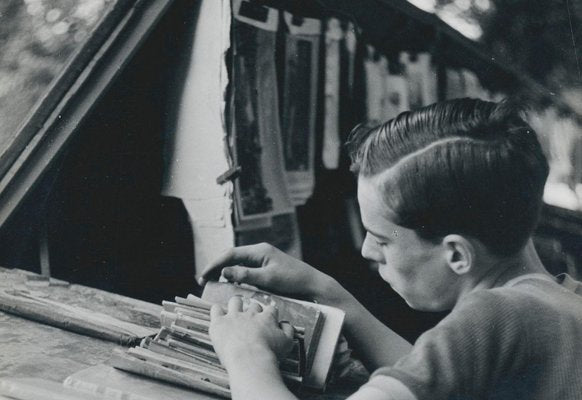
287 329
216 311
235 304
251 276
270 311
255 306
251 256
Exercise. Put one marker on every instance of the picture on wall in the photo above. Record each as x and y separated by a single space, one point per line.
299 105
260 189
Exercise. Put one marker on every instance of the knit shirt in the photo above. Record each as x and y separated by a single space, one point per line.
522 340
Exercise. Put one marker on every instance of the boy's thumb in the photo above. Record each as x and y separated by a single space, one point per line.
287 329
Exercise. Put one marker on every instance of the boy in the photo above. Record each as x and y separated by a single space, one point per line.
449 195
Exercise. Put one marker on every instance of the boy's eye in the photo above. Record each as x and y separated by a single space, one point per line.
380 242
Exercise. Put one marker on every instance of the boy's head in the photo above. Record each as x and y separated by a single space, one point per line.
463 166
442 185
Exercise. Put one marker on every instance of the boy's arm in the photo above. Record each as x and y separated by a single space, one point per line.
275 271
376 344
383 388
250 342
256 379
255 375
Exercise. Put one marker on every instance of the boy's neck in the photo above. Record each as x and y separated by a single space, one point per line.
502 271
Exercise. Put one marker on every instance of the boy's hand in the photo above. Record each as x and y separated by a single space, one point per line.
269 268
239 335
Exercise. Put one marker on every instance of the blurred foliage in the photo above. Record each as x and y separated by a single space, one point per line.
540 37
37 38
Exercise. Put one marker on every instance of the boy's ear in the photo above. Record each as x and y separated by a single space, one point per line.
459 253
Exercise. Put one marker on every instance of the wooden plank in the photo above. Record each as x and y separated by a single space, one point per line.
45 267
72 318
30 349
120 307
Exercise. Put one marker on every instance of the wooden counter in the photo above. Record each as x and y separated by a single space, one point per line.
35 350
30 349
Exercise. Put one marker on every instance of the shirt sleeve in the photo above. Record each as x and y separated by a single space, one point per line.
465 355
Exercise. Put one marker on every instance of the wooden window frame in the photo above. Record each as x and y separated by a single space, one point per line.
71 96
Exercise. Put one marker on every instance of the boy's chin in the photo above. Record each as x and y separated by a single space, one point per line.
410 300
416 306
423 304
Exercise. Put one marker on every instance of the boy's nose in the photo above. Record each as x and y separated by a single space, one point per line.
369 252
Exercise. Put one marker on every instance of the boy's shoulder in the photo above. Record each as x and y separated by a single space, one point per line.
528 298
491 339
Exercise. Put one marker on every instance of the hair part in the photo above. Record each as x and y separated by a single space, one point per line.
463 166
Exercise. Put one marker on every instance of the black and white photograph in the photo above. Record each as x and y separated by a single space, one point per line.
291 199
260 190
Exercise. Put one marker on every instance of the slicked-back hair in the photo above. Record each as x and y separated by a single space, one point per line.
462 166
